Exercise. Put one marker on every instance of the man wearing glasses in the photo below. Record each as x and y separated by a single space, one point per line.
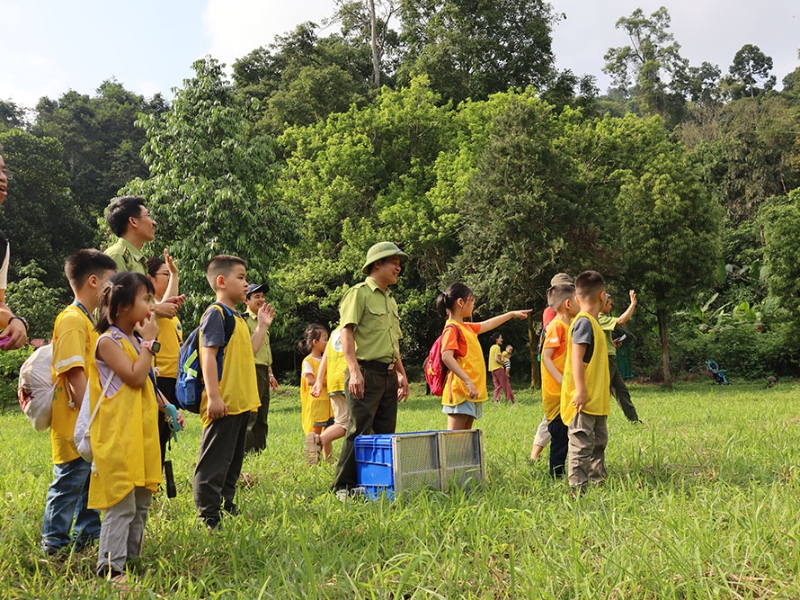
131 222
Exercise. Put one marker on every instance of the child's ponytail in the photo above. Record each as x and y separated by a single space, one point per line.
447 299
312 333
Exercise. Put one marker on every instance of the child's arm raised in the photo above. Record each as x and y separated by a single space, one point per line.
490 324
216 408
132 373
449 359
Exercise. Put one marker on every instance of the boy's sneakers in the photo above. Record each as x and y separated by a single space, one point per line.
313 448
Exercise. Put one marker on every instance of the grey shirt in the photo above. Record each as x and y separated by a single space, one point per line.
582 333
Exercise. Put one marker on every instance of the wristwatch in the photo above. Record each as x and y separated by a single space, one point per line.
153 345
24 322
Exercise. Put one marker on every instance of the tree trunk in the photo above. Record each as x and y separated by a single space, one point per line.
663 332
376 59
533 345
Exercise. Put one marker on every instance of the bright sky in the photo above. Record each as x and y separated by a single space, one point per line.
51 46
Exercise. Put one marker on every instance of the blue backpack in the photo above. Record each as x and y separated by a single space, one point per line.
189 386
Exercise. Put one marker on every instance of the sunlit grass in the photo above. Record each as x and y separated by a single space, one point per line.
700 502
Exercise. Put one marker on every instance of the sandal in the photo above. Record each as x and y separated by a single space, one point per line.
313 447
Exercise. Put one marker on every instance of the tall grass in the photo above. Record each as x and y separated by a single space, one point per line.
701 501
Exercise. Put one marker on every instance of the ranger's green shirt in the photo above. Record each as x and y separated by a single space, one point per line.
607 324
375 319
264 354
127 257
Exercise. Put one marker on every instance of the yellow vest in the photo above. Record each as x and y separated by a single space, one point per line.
473 365
337 365
238 387
551 389
596 376
313 410
124 437
170 336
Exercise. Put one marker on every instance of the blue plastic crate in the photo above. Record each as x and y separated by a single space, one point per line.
389 464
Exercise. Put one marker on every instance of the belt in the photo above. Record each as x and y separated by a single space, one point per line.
375 365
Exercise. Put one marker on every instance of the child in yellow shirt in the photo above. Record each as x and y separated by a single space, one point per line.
74 340
585 390
465 386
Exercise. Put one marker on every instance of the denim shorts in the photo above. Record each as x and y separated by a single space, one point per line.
472 409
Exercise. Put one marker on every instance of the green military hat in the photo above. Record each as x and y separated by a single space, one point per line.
382 250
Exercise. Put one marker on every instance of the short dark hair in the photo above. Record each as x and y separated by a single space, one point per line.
119 291
120 210
221 265
85 263
154 264
589 283
558 293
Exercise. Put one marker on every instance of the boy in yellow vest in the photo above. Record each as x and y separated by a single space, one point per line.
585 389
560 298
74 341
226 403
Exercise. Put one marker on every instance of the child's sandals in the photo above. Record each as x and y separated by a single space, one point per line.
313 447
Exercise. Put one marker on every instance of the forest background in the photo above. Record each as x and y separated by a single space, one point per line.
445 127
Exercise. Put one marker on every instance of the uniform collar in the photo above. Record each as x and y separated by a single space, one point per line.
373 285
136 254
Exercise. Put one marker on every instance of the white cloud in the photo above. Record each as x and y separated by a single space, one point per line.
237 27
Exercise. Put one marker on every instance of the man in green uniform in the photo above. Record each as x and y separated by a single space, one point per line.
607 324
376 380
131 222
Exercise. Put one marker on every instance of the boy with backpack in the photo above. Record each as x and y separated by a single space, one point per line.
74 341
227 399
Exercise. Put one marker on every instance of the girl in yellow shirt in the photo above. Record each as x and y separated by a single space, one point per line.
124 432
316 411
465 386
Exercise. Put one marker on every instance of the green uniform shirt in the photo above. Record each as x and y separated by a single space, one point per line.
607 324
375 319
264 354
127 257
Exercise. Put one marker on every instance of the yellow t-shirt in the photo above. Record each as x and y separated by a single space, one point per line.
124 436
170 336
469 354
74 340
337 365
313 410
494 354
238 387
555 337
596 376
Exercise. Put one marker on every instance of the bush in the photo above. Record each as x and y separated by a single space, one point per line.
10 362
32 299
743 350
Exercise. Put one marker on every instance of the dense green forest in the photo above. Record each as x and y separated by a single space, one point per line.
445 127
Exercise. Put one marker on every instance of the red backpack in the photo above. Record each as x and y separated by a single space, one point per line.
435 369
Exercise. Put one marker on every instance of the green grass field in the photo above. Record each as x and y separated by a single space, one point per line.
701 501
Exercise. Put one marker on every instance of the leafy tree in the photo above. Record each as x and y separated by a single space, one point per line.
100 141
651 68
472 48
780 218
39 216
301 78
211 183
670 223
38 303
11 115
358 178
749 153
750 69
